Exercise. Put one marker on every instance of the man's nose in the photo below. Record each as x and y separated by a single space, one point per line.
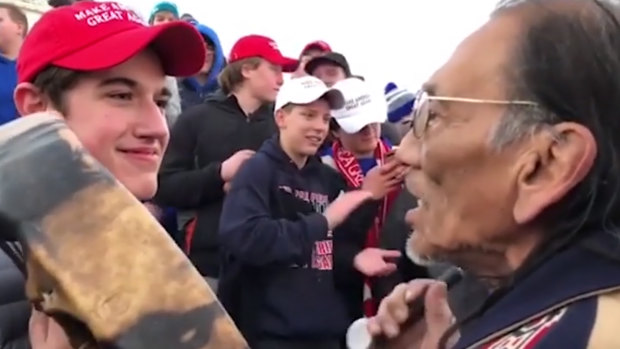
408 151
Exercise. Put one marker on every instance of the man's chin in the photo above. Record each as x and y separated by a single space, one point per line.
415 252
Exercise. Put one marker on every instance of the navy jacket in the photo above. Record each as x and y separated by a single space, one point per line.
277 279
14 307
203 137
570 301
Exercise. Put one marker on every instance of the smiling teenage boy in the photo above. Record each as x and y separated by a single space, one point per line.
103 70
276 229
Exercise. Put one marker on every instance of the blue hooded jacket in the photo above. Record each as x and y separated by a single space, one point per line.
191 91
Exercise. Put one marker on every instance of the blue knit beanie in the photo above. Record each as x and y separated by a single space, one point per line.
400 102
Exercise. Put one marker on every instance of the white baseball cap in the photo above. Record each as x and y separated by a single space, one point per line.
305 90
362 106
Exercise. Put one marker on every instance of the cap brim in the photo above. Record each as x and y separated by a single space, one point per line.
288 65
315 62
178 45
353 124
335 99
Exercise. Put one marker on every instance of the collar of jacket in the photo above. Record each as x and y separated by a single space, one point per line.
583 269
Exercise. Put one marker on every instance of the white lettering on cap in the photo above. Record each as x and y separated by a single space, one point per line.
357 102
102 13
308 84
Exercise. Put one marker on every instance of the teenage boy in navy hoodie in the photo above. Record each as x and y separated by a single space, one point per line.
277 224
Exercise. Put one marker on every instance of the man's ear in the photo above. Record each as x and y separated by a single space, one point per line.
29 99
556 161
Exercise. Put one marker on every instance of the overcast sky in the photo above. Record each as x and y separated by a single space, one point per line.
390 40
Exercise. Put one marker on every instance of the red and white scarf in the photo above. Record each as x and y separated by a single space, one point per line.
349 167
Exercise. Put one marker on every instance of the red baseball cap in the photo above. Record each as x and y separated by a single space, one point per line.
319 44
89 36
263 47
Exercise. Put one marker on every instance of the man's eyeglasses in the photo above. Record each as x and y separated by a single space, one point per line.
421 110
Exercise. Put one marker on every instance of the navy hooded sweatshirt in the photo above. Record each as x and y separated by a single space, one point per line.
277 278
193 92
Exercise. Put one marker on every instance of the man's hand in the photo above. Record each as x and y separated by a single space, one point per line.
380 180
46 333
342 207
372 262
394 311
233 163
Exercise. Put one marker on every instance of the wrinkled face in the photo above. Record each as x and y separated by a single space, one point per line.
264 81
304 127
466 189
118 115
163 17
10 31
363 142
330 74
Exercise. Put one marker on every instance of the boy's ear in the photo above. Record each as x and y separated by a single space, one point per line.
29 99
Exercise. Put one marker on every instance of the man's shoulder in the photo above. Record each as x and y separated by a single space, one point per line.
589 322
604 332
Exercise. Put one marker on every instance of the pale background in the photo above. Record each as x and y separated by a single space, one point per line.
391 40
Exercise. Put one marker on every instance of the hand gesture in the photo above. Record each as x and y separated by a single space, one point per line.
394 311
46 333
382 179
233 163
372 262
342 207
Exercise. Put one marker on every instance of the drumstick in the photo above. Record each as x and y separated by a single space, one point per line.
358 336
96 259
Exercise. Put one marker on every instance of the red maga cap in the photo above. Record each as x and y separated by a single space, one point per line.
263 47
90 36
319 44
